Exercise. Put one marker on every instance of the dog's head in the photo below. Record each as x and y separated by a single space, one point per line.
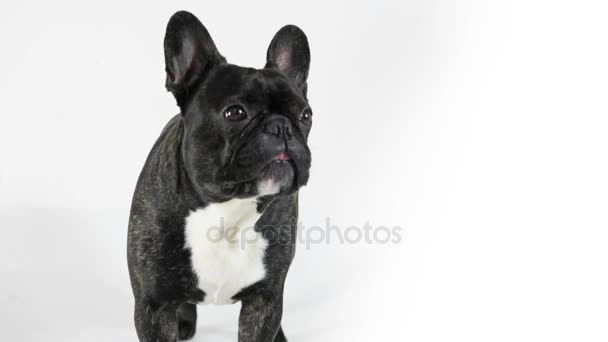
245 129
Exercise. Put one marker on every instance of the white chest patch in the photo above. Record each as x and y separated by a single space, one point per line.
227 253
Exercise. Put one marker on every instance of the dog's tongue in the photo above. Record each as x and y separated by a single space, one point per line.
282 156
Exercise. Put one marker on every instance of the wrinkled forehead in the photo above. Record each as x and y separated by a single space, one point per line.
229 84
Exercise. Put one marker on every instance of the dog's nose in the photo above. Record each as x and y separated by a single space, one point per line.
279 127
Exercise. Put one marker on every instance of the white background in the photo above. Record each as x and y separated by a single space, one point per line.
480 127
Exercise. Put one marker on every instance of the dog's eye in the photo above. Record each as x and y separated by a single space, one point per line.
235 113
306 115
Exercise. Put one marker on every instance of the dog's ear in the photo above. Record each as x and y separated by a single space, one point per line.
289 52
189 54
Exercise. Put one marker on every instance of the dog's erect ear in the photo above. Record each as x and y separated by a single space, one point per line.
289 52
189 54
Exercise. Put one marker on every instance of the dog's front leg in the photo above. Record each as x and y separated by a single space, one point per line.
156 323
260 319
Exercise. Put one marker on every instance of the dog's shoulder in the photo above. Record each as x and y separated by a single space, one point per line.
175 121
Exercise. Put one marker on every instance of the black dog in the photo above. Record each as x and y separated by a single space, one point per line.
214 214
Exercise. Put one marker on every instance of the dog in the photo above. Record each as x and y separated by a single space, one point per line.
214 214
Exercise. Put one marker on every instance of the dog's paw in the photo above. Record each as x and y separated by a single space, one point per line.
185 330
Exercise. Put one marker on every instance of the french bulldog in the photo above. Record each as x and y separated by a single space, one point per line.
213 217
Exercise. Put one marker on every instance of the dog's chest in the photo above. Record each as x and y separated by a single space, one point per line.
227 253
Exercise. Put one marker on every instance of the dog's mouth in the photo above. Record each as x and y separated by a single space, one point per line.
261 166
273 175
278 176
283 156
